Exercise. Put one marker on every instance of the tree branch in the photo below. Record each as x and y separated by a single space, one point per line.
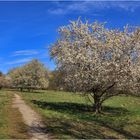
104 91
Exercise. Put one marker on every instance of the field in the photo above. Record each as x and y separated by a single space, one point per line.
69 115
11 124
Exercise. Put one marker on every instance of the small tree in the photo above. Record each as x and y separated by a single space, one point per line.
95 60
30 76
17 78
35 75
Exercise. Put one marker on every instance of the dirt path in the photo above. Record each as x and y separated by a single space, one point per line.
33 121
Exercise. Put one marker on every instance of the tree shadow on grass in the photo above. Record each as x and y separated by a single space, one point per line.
88 125
78 108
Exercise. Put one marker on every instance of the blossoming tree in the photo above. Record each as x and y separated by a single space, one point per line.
31 76
97 61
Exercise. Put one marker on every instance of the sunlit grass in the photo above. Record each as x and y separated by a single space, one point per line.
69 115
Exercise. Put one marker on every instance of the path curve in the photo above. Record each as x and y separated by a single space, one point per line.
36 127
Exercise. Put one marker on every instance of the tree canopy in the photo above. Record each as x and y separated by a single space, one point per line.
98 61
30 76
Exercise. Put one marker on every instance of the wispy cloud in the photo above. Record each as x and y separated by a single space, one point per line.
25 52
69 7
87 6
19 61
27 55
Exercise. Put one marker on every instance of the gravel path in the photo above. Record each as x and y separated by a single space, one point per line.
33 121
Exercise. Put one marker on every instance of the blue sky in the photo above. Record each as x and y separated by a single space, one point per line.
28 28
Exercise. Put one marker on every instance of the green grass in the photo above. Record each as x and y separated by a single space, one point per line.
11 123
69 115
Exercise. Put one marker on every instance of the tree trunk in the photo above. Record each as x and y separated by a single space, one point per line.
29 90
97 104
21 89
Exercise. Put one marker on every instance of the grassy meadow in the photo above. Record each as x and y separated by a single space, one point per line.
11 123
69 115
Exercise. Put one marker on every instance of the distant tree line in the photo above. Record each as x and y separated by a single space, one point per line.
31 76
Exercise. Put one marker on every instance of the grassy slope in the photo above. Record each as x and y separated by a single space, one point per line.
11 124
68 115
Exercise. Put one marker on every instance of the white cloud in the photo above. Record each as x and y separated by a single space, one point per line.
25 52
58 11
31 54
69 7
19 61
87 6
